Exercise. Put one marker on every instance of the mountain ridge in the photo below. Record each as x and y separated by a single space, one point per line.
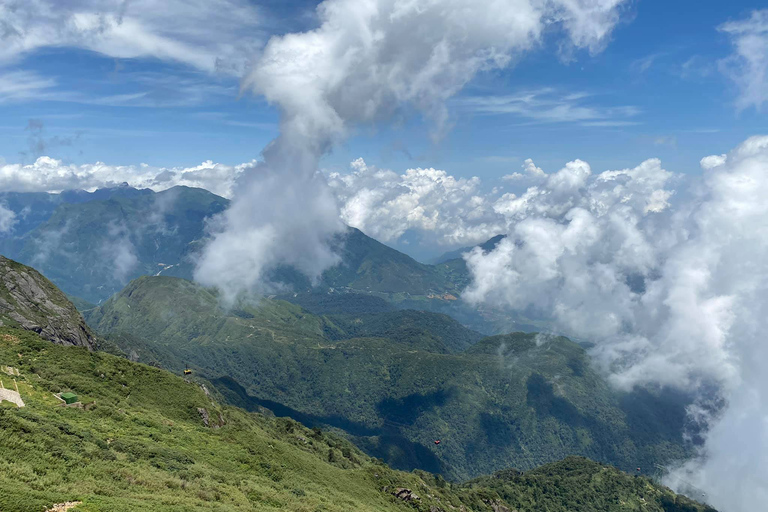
91 244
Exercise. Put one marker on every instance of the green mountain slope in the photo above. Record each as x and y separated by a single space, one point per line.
517 400
430 331
578 484
32 209
141 438
368 265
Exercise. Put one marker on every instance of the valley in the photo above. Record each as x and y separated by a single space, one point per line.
396 381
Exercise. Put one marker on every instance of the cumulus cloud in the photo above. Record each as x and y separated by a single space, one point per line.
451 211
748 65
50 175
216 35
366 61
530 173
672 294
385 204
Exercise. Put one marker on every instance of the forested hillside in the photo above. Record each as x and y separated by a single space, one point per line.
397 381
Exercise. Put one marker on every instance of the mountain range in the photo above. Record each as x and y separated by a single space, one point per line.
369 350
92 244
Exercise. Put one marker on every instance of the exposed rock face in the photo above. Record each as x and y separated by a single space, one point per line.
497 506
30 301
405 494
63 507
204 416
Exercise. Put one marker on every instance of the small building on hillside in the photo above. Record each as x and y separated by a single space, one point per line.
69 397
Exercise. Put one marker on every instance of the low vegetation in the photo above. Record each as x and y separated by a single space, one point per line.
138 440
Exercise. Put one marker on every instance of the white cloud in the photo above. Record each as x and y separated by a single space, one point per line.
643 64
24 85
385 204
366 61
748 65
530 173
458 211
7 219
548 105
50 175
673 295
588 23
210 35
712 161
118 252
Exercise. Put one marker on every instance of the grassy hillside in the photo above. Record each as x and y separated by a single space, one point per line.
139 443
137 440
397 383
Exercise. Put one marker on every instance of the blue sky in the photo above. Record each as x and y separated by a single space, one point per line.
656 90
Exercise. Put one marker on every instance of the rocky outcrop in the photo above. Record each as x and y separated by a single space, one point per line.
405 495
498 506
207 418
204 416
30 301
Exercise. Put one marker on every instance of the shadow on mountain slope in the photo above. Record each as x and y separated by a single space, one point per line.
385 442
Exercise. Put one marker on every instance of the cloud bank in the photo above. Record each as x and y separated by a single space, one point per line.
50 175
672 295
367 61
666 274
384 204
